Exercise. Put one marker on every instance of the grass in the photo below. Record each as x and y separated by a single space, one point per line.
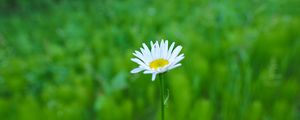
63 59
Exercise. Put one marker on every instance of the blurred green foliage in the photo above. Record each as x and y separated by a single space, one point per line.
70 59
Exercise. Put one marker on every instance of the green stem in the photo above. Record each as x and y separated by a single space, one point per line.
161 78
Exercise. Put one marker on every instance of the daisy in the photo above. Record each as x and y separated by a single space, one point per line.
159 59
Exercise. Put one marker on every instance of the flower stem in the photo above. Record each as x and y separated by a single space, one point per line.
161 78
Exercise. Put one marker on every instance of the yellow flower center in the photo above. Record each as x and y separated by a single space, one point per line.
158 63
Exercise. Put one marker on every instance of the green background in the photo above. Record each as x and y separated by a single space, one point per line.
70 59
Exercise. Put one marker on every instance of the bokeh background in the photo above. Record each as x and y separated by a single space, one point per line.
70 59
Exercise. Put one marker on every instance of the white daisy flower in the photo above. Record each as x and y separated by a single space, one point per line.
160 58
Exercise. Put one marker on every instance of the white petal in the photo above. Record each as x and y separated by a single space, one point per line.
139 55
136 70
151 43
154 50
156 42
175 52
148 72
146 56
177 59
147 51
165 51
138 61
162 48
175 66
143 51
157 51
170 50
153 76
161 70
